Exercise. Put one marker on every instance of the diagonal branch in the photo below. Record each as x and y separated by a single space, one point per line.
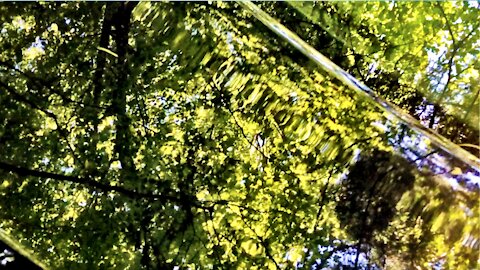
20 98
85 181
44 84
165 196
23 99
439 5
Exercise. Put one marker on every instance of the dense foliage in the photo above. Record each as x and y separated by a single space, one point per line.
165 135
421 56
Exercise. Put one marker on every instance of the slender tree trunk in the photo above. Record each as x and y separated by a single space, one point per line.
123 141
91 113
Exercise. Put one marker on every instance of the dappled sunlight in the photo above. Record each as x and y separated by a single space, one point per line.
223 135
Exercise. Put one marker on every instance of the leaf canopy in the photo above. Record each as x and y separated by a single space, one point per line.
159 135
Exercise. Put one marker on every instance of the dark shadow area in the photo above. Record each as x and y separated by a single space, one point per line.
369 195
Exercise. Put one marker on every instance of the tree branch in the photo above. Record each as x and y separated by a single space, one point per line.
85 181
20 98
439 5
42 83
